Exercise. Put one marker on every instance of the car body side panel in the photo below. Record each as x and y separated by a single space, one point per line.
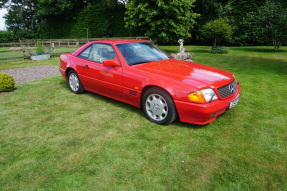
95 76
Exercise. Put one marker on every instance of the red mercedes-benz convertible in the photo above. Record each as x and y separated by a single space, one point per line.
139 73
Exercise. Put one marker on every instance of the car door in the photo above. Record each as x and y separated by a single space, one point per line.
99 78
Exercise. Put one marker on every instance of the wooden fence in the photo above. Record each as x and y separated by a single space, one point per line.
61 43
24 52
29 45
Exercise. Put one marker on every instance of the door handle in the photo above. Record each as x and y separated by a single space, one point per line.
86 66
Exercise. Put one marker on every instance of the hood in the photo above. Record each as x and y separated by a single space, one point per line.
188 72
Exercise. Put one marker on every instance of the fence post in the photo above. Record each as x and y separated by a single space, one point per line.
20 42
24 52
53 49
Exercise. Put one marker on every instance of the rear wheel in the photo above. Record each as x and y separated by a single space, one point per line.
75 83
158 106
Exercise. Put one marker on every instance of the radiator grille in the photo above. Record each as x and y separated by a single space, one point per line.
228 89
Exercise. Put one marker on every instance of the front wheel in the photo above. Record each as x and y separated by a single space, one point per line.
75 83
158 106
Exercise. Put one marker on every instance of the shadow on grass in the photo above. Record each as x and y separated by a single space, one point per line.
177 123
257 65
199 51
129 108
190 50
257 49
105 99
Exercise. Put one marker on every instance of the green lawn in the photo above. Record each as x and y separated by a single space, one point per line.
52 139
20 54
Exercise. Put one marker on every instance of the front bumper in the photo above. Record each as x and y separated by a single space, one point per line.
202 114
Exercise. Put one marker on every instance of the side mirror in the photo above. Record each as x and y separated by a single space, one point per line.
111 63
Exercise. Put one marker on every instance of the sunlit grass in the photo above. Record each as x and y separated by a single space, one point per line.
52 139
54 61
5 63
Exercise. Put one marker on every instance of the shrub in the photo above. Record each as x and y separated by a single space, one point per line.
39 50
39 46
218 50
7 83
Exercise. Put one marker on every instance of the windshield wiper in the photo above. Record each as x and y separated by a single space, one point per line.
141 62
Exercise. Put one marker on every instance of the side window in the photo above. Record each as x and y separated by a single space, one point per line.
85 54
101 52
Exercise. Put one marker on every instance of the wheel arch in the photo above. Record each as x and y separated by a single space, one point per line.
68 70
152 86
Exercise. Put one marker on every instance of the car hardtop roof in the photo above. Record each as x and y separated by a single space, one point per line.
119 41
114 41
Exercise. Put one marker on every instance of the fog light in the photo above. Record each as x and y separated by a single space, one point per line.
213 114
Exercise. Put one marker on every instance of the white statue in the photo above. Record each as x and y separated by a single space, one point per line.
183 54
180 41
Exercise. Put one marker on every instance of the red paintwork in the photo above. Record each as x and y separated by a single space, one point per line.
178 78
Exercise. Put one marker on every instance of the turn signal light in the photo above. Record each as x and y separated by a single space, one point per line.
197 97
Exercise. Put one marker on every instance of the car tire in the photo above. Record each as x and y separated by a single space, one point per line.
158 106
75 82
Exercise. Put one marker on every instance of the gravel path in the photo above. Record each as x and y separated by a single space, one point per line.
28 74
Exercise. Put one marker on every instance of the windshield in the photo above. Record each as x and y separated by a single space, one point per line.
141 52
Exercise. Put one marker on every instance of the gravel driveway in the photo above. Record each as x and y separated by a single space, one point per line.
28 74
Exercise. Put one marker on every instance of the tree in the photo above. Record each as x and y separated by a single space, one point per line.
21 18
53 18
162 20
271 23
232 11
217 30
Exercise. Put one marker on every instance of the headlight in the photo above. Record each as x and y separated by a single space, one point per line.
203 96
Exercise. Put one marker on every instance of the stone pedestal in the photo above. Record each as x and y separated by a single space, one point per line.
183 54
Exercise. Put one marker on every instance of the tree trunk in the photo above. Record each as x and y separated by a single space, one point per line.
277 45
214 43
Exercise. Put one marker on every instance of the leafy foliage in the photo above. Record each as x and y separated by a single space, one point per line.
39 46
64 19
21 19
163 21
6 36
99 21
58 28
236 13
68 7
238 17
7 83
92 21
271 23
209 10
217 30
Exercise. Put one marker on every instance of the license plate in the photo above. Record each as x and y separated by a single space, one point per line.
234 102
